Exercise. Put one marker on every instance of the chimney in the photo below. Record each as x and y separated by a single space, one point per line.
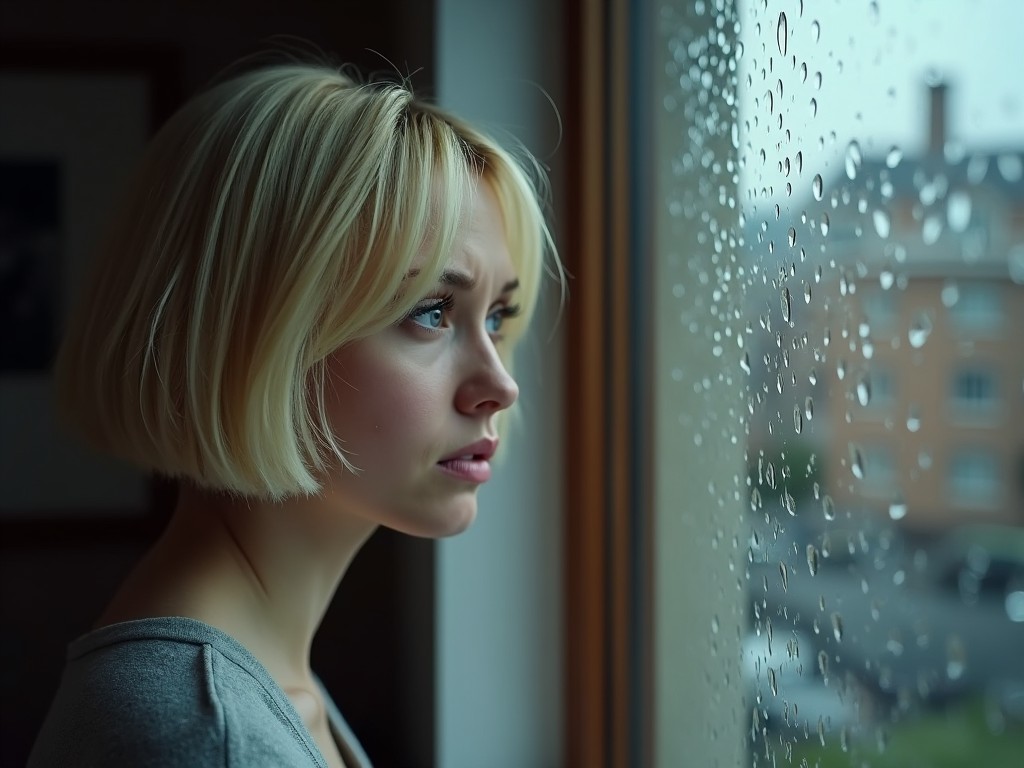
937 119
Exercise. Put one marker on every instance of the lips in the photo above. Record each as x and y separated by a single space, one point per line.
471 463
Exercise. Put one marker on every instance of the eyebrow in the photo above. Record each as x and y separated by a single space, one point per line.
466 282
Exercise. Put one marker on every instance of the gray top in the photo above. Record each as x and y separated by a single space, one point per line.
176 693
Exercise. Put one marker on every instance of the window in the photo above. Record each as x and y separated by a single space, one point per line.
973 393
798 212
974 478
978 308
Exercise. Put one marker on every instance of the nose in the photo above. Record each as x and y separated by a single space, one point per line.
488 387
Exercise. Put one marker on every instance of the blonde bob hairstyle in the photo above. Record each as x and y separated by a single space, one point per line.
274 219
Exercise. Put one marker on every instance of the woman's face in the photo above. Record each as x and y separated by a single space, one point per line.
414 405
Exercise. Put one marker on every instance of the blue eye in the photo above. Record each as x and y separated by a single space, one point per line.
431 316
498 317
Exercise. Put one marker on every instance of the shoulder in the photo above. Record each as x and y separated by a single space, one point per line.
167 693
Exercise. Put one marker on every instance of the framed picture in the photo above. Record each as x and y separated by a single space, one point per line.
74 123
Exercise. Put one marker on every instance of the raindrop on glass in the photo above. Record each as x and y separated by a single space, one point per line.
791 237
773 682
892 159
789 503
853 159
931 229
808 408
798 420
784 573
898 509
828 507
956 658
769 475
886 279
824 224
913 419
817 187
919 331
856 462
864 390
882 222
958 211
814 107
782 34
815 31
950 294
1010 167
787 305
812 559
823 664
837 627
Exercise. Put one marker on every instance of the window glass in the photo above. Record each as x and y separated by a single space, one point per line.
840 292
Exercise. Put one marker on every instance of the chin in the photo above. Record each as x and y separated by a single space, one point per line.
440 524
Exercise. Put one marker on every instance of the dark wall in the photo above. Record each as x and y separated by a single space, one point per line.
375 650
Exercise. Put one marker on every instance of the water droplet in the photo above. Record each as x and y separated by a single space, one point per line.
837 627
956 658
823 664
958 211
817 187
864 390
913 419
853 159
815 31
787 305
714 624
824 223
755 500
782 34
789 503
950 294
814 107
798 420
784 573
892 159
886 279
841 369
791 237
882 222
919 331
769 475
773 682
745 362
856 462
812 559
1010 167
898 509
821 730
808 408
931 229
828 507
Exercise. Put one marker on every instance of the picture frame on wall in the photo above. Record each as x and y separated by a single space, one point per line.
73 123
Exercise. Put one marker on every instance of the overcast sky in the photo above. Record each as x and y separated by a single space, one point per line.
875 59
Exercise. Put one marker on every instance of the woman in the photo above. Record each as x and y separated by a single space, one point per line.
304 312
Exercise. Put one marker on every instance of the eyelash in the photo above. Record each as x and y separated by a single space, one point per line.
447 303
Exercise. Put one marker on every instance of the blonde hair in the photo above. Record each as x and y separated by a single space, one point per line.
274 219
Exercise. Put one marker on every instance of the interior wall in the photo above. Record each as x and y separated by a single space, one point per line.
376 647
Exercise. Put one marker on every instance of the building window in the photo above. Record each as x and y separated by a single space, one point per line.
974 393
974 478
978 308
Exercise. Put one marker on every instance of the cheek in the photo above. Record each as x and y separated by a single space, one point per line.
382 407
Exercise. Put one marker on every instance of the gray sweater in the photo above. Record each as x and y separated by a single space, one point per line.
175 693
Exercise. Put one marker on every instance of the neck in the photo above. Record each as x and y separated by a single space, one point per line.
263 572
